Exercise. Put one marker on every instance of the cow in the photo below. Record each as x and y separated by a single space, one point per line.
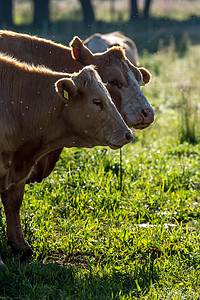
41 111
101 42
122 79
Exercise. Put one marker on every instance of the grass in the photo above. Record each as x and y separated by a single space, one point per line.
95 240
108 11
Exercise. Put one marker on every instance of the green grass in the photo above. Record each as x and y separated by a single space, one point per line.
94 240
118 11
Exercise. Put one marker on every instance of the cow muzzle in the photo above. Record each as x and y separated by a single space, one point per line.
141 120
117 143
147 115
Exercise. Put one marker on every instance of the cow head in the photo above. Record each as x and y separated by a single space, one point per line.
101 42
90 111
123 81
97 44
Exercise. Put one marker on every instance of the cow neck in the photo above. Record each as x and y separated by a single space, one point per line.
31 102
38 51
54 56
35 133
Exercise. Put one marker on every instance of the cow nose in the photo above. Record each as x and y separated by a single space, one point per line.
148 115
129 136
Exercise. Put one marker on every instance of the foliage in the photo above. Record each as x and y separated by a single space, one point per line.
94 240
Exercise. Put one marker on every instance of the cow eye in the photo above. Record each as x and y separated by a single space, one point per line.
98 102
113 82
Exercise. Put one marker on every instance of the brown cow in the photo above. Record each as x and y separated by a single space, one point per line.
122 79
41 111
101 42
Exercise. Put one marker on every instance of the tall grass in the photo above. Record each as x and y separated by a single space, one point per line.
189 128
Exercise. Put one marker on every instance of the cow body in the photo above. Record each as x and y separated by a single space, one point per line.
41 111
101 42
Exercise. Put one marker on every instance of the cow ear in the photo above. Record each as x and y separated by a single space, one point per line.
146 76
116 51
80 52
66 89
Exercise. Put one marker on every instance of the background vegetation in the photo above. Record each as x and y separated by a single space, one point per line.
105 227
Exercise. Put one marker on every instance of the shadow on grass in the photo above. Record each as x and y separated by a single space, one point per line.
77 279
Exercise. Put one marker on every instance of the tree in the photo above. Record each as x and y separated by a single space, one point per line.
134 10
147 8
6 12
41 13
88 12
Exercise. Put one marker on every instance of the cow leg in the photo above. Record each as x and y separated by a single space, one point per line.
2 265
12 200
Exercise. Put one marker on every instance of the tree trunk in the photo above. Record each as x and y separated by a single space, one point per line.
134 10
6 12
41 13
146 9
88 12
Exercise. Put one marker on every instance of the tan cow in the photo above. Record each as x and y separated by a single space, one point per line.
40 111
101 42
122 79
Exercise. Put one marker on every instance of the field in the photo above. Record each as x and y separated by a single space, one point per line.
121 225
105 226
108 11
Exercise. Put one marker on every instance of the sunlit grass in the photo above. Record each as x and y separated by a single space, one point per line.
108 11
177 10
23 13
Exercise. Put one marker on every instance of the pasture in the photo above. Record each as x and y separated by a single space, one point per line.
121 225
111 226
